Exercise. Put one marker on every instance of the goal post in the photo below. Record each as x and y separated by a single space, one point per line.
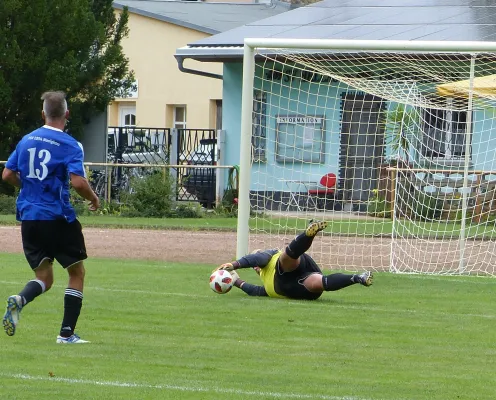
407 131
245 156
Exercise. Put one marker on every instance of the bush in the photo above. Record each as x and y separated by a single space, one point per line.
110 208
80 206
150 195
377 206
7 204
6 188
188 211
425 207
229 205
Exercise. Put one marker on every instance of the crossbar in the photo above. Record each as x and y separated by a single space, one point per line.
380 45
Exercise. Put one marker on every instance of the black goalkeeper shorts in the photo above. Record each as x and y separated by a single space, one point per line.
53 240
290 284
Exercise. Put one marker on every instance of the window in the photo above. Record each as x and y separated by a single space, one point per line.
127 116
444 133
179 123
130 93
179 117
259 116
130 120
300 138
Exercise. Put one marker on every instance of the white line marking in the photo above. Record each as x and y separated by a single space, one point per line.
257 394
477 280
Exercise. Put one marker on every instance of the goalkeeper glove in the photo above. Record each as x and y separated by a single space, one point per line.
227 266
234 275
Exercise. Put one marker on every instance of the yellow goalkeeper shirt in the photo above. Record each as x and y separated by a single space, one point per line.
267 274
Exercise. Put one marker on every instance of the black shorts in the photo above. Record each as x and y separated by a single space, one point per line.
290 284
53 240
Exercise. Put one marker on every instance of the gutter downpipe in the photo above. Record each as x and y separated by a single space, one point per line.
182 68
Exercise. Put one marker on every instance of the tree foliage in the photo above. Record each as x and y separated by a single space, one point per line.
69 45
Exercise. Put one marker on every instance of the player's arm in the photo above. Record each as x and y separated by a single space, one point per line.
9 173
250 289
83 188
259 259
77 174
11 177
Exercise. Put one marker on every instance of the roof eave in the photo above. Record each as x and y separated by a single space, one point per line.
166 19
207 54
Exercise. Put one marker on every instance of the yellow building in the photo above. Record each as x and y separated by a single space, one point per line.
166 96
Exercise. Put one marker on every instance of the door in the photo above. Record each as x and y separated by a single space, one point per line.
362 146
127 119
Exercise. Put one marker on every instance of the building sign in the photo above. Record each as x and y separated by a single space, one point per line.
300 138
299 120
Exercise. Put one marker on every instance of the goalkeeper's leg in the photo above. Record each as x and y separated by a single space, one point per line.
317 283
290 259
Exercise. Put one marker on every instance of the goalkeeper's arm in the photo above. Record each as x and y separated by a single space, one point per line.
249 289
259 259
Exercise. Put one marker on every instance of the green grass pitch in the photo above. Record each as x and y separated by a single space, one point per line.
159 332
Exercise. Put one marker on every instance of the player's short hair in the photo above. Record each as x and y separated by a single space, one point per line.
54 104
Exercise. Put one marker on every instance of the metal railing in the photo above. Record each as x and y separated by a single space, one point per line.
138 144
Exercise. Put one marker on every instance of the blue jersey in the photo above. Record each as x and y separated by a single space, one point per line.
44 159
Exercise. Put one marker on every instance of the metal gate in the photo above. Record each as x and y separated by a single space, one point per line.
135 145
141 145
197 147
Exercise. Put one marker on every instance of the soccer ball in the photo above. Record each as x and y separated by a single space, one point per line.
221 281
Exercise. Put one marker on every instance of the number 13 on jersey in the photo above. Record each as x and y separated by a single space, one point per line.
42 158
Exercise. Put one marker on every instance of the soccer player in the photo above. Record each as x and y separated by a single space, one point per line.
42 165
293 273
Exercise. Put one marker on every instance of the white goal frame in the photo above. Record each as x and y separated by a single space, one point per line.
251 45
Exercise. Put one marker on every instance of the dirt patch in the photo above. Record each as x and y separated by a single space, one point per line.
334 252
205 246
181 246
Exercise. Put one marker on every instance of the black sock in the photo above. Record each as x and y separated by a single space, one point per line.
32 290
337 281
299 245
73 301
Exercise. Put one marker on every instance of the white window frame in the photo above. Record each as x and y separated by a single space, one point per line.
447 144
123 112
179 124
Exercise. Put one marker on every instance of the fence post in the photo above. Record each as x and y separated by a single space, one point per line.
174 143
220 183
108 175
121 147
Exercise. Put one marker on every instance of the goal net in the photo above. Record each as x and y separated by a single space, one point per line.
396 149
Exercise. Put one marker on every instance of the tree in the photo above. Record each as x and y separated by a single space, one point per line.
401 125
69 45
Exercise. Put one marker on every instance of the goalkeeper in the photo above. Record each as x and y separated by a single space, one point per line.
293 273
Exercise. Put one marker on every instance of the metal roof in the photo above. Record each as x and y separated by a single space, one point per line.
204 16
426 20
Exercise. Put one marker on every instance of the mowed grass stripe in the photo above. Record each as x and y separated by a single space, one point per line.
295 303
403 338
